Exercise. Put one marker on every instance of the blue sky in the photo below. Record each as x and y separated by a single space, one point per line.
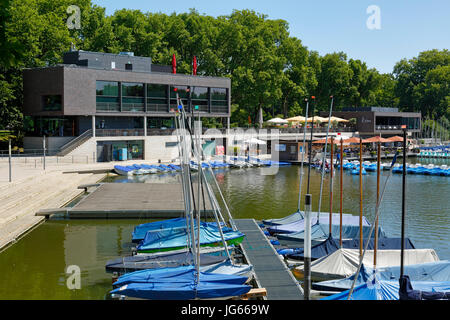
407 26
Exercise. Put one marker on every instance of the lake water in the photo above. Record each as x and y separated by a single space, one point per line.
35 267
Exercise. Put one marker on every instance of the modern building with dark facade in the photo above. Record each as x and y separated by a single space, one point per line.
118 99
377 120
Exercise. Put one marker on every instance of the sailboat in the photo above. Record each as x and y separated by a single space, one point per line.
435 271
186 282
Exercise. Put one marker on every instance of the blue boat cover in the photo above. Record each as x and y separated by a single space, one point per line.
177 237
141 230
286 220
321 232
179 284
324 218
388 290
331 245
438 271
407 292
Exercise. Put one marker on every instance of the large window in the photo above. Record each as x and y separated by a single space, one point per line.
52 103
132 97
107 96
157 98
219 100
183 93
200 98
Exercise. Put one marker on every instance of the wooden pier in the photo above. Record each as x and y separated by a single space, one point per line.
128 201
270 270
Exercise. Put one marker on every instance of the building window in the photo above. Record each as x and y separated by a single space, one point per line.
52 102
128 66
107 96
200 98
157 97
219 100
132 97
183 93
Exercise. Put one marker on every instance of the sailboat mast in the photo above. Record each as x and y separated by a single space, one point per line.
341 192
360 198
403 204
324 159
310 145
303 156
378 196
331 183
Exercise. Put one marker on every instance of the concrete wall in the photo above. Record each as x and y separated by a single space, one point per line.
52 143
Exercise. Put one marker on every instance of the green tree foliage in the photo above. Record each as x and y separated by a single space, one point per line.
270 70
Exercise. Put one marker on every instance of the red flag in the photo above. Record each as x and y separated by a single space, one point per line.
174 64
195 66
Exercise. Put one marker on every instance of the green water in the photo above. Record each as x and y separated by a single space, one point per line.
35 267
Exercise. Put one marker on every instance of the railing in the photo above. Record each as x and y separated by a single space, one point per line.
157 108
108 106
133 107
119 132
74 143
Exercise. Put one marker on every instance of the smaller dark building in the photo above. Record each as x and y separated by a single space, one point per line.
377 120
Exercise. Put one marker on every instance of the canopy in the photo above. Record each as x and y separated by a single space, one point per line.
336 140
344 262
376 139
254 141
395 139
296 119
278 121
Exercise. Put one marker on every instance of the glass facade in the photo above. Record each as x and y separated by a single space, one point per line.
112 96
107 96
157 98
132 97
50 126
200 98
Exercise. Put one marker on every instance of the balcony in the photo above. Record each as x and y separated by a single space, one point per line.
108 106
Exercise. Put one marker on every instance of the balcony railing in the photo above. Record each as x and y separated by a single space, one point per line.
133 107
108 106
119 132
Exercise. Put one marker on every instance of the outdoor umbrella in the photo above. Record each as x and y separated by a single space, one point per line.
254 141
336 119
352 140
278 121
376 139
296 119
395 139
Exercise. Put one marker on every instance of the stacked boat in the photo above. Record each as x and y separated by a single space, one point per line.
187 257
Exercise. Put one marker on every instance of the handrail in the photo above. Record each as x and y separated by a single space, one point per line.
81 138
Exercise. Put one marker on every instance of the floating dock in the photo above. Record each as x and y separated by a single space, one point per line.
129 201
270 271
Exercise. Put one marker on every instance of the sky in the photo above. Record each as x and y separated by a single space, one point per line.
402 29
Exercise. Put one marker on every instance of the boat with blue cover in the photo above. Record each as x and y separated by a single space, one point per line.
141 230
296 216
320 233
124 170
435 271
331 245
174 239
182 283
324 218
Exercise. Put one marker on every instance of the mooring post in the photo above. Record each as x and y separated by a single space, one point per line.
307 248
